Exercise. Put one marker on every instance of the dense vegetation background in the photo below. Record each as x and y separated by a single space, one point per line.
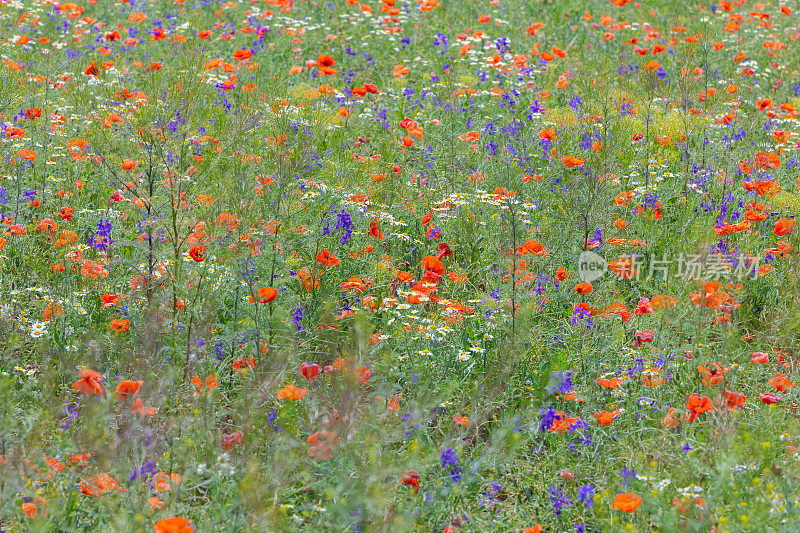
272 265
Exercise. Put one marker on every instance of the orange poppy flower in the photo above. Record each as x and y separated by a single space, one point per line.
176 524
241 55
228 441
320 442
671 421
163 482
266 295
99 484
211 384
606 417
325 64
403 276
119 326
92 70
532 247
766 160
375 229
30 155
570 161
735 399
400 70
612 383
697 405
562 422
410 478
126 389
89 382
29 509
457 277
584 288
326 259
781 382
198 253
140 409
627 502
290 392
783 227
432 263
713 373
460 420
93 270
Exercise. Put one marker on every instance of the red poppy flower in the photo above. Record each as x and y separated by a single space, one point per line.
769 398
411 478
642 337
584 288
326 259
244 362
140 409
735 399
781 382
375 229
310 370
228 441
89 383
531 247
697 405
126 389
198 253
92 70
783 227
266 294
432 264
325 64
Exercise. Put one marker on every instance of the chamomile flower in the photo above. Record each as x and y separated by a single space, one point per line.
38 329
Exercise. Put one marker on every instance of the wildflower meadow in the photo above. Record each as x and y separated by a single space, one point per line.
399 265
